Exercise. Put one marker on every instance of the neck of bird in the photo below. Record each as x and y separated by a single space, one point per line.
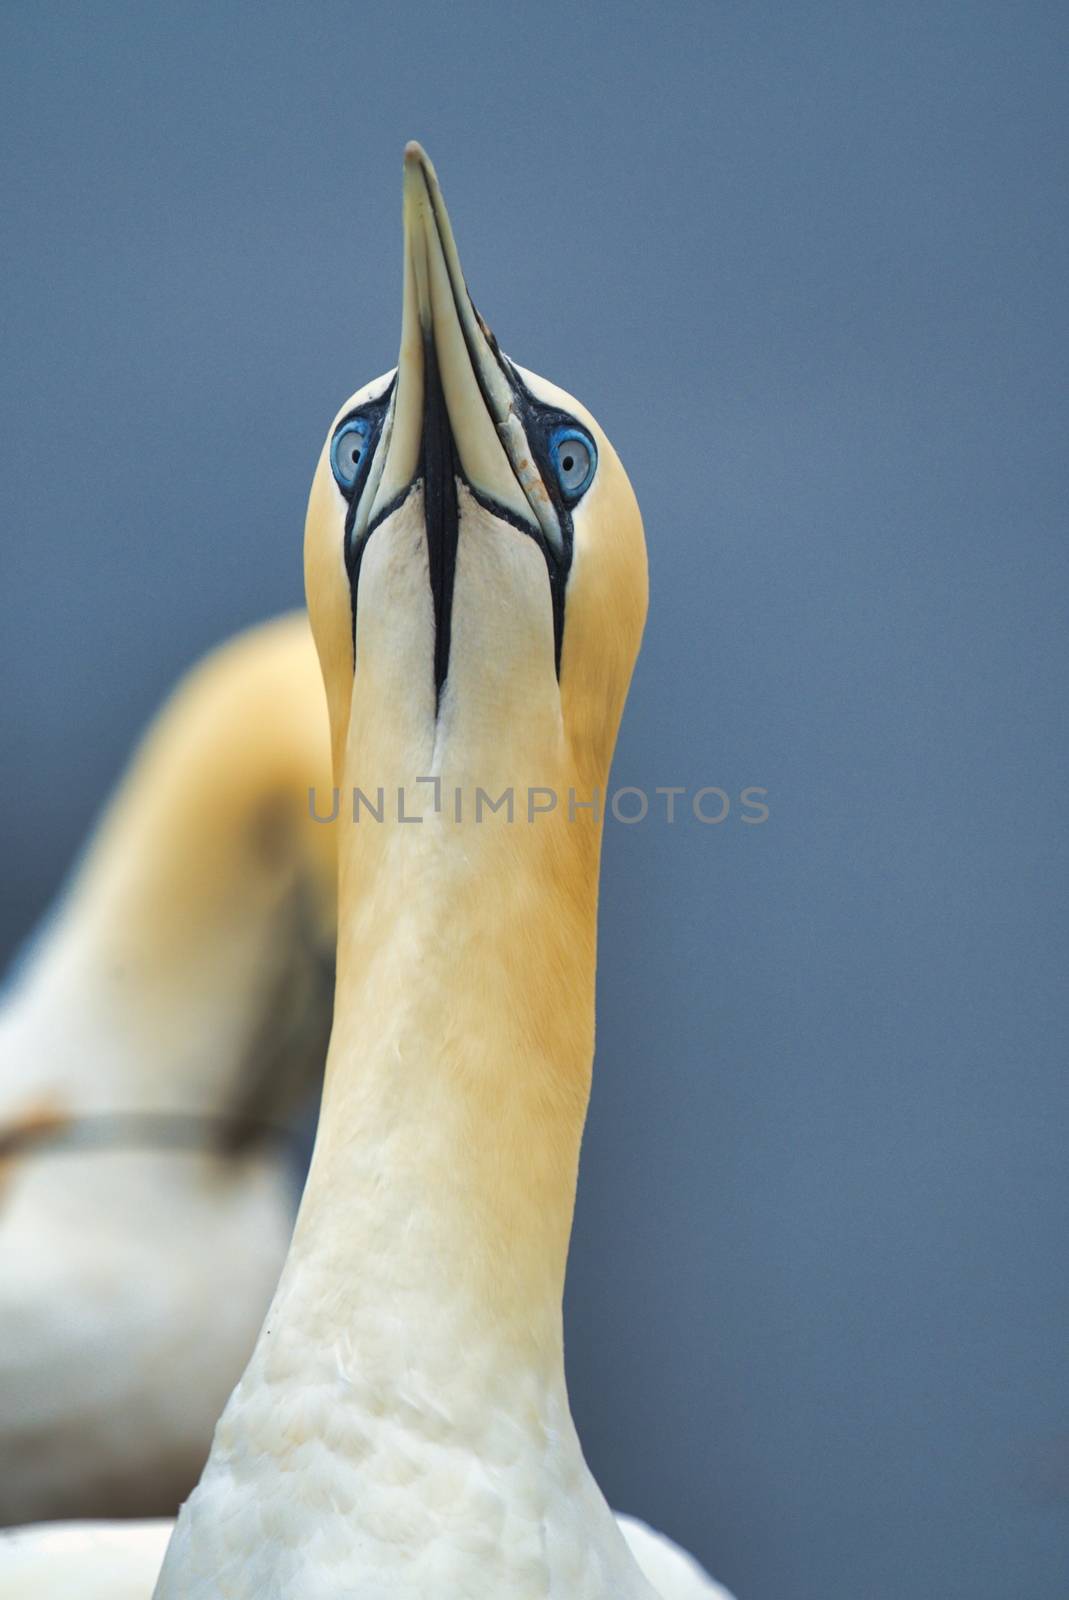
407 1391
438 1209
167 957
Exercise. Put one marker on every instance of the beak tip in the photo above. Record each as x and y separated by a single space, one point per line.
419 178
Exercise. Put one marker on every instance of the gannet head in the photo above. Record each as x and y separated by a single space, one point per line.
474 557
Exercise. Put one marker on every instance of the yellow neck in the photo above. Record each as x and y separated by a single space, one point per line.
459 1069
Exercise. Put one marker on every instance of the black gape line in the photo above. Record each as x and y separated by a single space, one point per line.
439 472
538 422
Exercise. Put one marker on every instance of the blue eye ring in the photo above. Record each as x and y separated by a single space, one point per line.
574 470
345 463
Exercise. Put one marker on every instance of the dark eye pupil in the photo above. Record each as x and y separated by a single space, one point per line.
568 463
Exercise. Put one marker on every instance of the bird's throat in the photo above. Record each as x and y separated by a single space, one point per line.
459 1070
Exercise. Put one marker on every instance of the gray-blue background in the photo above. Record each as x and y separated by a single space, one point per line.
808 265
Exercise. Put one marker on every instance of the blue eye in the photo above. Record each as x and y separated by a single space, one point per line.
348 451
575 459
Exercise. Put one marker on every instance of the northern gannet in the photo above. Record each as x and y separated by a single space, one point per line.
476 577
187 972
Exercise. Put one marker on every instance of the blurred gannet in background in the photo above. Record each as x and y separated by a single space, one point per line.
476 576
180 995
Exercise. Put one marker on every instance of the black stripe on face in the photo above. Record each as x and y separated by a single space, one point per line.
438 471
556 571
538 421
439 468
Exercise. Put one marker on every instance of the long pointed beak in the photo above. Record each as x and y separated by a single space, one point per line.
444 342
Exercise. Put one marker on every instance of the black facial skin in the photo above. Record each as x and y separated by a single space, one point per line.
439 467
439 470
